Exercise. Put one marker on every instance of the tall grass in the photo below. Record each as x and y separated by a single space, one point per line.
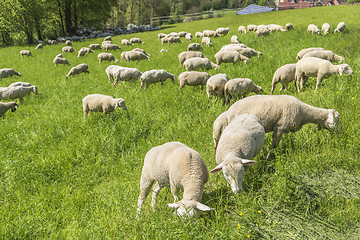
63 176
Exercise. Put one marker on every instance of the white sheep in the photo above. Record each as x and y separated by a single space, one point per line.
133 56
126 42
199 63
325 54
289 26
136 40
4 107
240 87
161 35
194 47
154 76
8 72
234 39
210 33
68 43
81 68
172 39
306 50
141 50
319 68
68 49
340 27
245 51
275 28
125 74
230 57
182 34
83 51
215 85
39 46
242 29
312 28
175 165
105 43
284 74
199 34
16 92
222 31
188 36
106 57
60 60
23 84
101 103
251 28
25 53
325 28
240 142
108 38
193 78
262 30
206 41
111 46
233 47
183 56
95 46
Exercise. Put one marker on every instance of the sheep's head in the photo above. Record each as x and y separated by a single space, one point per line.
14 107
338 58
258 89
332 120
35 90
234 171
317 31
172 77
120 102
345 68
189 208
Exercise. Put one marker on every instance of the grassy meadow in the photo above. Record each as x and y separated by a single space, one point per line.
66 177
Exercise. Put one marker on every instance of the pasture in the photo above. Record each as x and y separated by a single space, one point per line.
66 177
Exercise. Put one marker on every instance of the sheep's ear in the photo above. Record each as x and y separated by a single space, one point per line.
217 168
202 207
247 162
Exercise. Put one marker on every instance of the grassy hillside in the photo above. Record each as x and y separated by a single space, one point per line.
63 176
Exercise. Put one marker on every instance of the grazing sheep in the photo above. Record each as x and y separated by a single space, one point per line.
340 27
289 26
176 165
210 33
199 34
182 34
275 28
39 46
8 72
229 57
313 29
23 84
188 36
60 60
194 47
4 107
108 38
325 54
133 55
68 43
126 42
262 31
68 49
25 53
325 28
284 75
83 51
141 50
101 103
215 85
124 74
240 87
154 76
95 46
172 39
161 35
136 40
251 28
193 79
114 47
319 68
206 41
233 47
234 39
222 31
52 42
105 43
106 57
165 40
241 141
81 68
87 50
16 92
306 50
242 29
198 62
247 52
183 56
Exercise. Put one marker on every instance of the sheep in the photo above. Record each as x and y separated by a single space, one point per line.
124 74
215 85
194 47
240 87
8 72
182 34
133 55
154 76
240 142
198 62
95 46
247 52
188 36
126 42
234 39
229 57
60 60
176 165
106 56
136 40
23 84
108 38
284 75
317 67
193 79
87 50
165 40
39 46
251 28
183 56
52 42
210 33
275 27
262 31
233 47
81 68
242 29
114 47
68 43
206 41
68 49
25 53
222 31
105 43
313 29
340 27
325 54
83 51
289 26
141 50
4 107
16 92
161 35
306 50
171 40
325 28
199 34
101 103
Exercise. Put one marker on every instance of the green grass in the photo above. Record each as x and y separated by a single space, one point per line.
65 177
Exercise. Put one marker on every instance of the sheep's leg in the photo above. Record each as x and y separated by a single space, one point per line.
273 88
318 81
145 187
173 190
142 85
275 141
156 191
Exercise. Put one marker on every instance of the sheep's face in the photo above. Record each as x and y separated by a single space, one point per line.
345 68
121 103
333 120
190 208
14 107
259 90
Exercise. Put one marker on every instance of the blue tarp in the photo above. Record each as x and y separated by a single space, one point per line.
252 8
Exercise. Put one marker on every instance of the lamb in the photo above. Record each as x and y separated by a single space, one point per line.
124 74
206 41
108 38
60 60
313 29
234 39
215 85
240 87
188 36
325 28
242 29
183 56
25 53
105 43
251 28
230 57
340 27
194 47
301 54
284 75
199 34
126 42
81 68
68 43
87 50
154 76
210 33
68 49
95 46
133 55
4 107
101 103
8 72
176 165
262 31
198 62
83 51
325 54
278 114
222 31
39 46
106 56
141 50
289 26
241 141
317 67
114 47
275 27
16 92
136 40
193 79
172 39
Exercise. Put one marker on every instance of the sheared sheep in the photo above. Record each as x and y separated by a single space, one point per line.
222 31
325 54
154 76
313 29
39 46
176 165
229 57
289 26
124 74
101 103
198 62
199 34
81 68
193 78
234 39
16 92
112 46
25 53
340 27
105 43
188 36
301 54
183 56
251 28
215 85
95 46
59 59
284 75
141 50
8 72
194 47
126 42
68 49
210 33
133 56
136 40
106 57
262 31
4 107
83 51
206 41
325 28
240 87
242 29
